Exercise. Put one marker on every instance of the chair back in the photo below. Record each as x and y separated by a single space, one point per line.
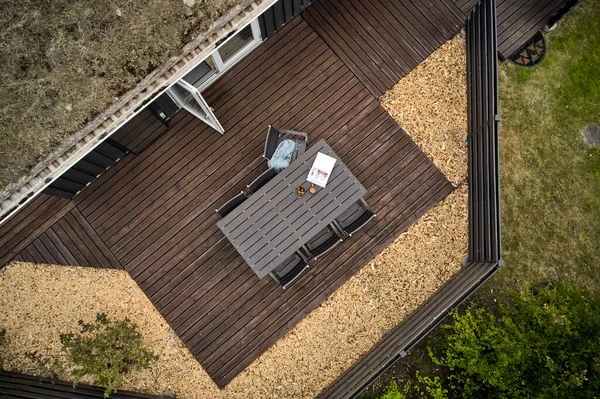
324 242
275 135
290 270
261 180
357 224
230 205
271 142
359 221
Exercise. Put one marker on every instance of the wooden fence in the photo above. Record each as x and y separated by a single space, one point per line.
484 213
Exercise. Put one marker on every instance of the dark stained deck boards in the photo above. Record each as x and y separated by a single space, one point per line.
518 20
22 386
71 242
341 24
140 131
154 213
210 170
26 226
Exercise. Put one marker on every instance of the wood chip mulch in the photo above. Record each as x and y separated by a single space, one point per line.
430 103
38 302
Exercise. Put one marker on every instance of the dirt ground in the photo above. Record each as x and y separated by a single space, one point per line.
38 302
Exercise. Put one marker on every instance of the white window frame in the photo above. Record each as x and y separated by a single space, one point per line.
209 117
222 67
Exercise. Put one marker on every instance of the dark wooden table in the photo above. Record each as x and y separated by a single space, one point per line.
275 222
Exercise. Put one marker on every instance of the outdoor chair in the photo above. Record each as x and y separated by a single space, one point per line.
323 242
230 205
289 271
355 217
276 136
260 181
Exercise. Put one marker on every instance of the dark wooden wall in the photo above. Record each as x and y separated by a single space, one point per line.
21 386
141 131
134 136
280 14
88 169
163 107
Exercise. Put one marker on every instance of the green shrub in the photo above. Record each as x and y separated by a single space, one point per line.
547 345
392 391
426 388
433 387
105 350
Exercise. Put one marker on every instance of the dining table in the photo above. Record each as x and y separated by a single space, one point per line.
275 222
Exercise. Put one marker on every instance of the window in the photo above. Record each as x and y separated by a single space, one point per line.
225 56
236 44
187 91
201 73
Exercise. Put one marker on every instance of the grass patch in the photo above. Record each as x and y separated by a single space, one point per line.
550 184
594 161
63 62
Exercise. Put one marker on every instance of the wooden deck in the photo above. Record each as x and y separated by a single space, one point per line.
380 41
153 213
518 20
22 386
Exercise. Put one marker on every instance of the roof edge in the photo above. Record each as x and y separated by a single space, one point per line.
75 147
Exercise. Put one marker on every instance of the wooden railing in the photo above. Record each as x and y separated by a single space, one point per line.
482 89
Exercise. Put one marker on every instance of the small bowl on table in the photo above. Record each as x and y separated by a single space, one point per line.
300 190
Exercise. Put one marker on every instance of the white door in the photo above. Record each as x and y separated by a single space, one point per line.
188 97
187 91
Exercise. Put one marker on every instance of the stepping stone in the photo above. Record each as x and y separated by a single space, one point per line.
591 135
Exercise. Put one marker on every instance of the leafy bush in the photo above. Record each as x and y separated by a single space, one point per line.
426 388
392 391
546 345
106 350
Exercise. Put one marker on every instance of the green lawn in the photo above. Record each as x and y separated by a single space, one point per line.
550 180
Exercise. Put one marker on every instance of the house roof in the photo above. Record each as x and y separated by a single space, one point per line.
77 145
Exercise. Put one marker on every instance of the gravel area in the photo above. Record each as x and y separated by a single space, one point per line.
38 302
430 103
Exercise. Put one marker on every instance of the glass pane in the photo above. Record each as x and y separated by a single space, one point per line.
203 71
236 43
188 99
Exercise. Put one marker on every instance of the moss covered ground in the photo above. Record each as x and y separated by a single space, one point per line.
63 62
